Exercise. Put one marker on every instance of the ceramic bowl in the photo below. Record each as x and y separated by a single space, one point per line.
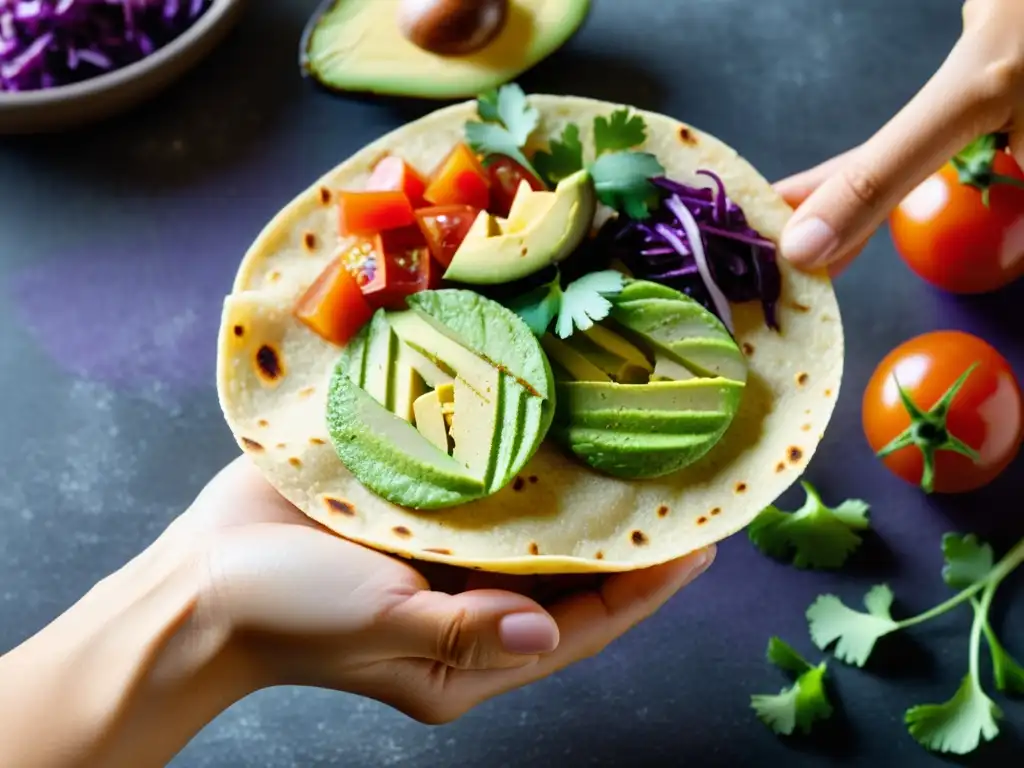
75 105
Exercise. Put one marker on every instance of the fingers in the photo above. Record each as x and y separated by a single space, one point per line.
797 188
858 190
589 621
479 630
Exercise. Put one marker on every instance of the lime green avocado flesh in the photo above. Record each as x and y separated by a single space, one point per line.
649 390
391 397
542 228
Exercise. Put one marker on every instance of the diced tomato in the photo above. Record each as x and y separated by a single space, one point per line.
394 174
402 266
505 176
367 213
445 227
333 307
459 179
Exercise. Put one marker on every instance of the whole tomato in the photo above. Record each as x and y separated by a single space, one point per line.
943 410
962 229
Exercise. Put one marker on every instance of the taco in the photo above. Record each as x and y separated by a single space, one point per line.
531 335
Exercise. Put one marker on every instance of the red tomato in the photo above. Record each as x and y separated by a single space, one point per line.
401 266
459 180
984 413
946 234
394 174
333 307
367 213
505 176
445 227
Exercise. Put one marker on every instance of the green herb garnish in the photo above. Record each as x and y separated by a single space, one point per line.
563 158
622 181
622 130
800 705
508 122
814 536
577 306
960 724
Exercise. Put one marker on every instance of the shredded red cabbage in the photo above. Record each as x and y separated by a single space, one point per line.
742 264
48 43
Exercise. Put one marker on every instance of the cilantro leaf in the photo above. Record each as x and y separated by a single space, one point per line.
579 305
509 121
584 302
968 560
623 129
815 536
621 181
1007 672
800 705
563 158
855 633
957 725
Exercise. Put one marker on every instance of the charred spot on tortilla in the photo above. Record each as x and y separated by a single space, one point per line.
401 531
663 510
273 276
638 537
325 195
748 348
281 446
518 483
268 363
438 550
716 511
533 478
741 487
309 241
340 506
599 556
780 467
828 393
687 136
802 378
796 305
806 427
316 441
295 462
795 454
239 330
702 520
306 391
534 549
263 423
252 445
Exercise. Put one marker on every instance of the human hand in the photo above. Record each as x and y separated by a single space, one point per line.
307 607
979 89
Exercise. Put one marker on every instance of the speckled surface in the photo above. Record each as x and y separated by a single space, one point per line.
117 245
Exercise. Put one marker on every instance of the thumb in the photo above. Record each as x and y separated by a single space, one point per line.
951 110
483 629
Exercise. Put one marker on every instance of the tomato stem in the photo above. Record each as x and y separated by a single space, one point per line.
928 431
974 166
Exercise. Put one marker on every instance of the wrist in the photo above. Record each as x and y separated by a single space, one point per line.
127 675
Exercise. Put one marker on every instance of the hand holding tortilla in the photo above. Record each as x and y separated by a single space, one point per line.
529 335
946 229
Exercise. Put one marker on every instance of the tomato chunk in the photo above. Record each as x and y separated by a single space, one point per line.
393 174
459 179
505 176
367 213
401 266
445 227
333 307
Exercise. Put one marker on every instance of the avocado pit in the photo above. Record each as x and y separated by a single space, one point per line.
452 27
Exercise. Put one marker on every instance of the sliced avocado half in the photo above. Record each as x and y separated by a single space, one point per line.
649 390
421 439
371 46
542 228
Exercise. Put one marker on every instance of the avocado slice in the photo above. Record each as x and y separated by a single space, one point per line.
637 455
696 395
575 364
617 345
406 385
430 419
542 228
359 46
380 348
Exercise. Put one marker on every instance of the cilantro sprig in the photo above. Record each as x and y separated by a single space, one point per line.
960 724
506 123
577 306
814 536
801 704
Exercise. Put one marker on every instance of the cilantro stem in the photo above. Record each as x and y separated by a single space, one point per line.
980 612
1002 569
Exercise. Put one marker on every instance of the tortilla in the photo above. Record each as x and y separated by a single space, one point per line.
558 516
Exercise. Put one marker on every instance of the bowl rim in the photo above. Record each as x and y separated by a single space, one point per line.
119 77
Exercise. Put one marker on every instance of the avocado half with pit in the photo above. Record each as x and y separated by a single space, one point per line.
434 49
649 390
542 228
442 403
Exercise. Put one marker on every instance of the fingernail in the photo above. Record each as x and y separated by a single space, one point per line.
809 243
700 563
528 633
